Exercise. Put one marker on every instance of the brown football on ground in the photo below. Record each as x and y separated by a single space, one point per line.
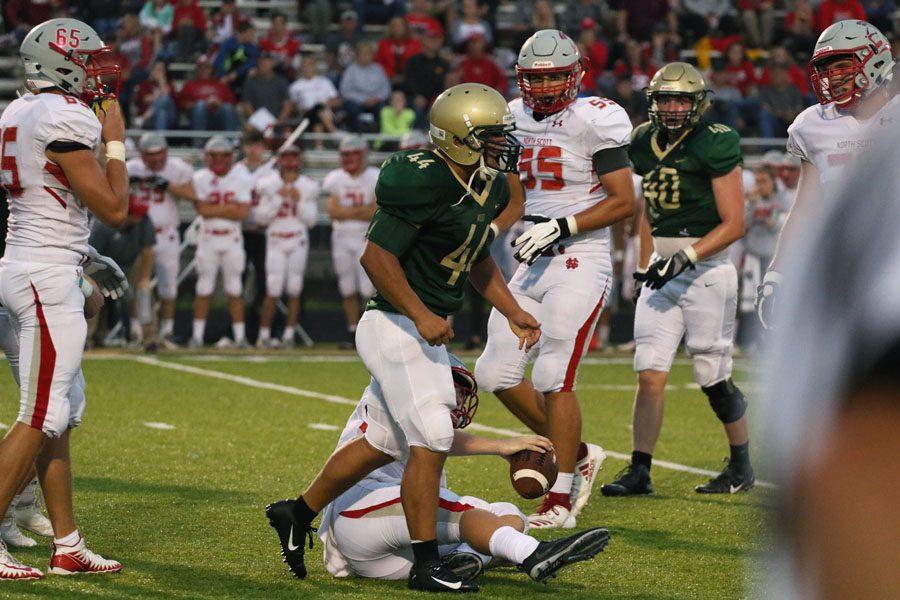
533 473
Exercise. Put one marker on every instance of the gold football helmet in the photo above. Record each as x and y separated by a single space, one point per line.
681 80
471 122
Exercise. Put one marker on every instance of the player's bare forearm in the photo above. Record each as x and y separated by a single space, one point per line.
235 212
465 444
646 241
104 194
515 209
729 194
487 279
618 205
184 192
384 269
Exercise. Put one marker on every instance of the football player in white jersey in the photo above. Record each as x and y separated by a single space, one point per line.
288 202
850 68
161 180
351 204
578 182
50 143
223 202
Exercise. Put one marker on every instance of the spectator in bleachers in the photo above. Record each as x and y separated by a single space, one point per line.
421 21
237 56
832 11
396 48
378 11
225 21
637 18
318 14
577 12
397 118
265 88
725 96
758 17
665 45
543 17
157 15
476 66
697 18
281 44
22 15
779 103
469 24
208 101
595 53
340 45
636 65
800 28
633 101
364 88
426 74
313 96
138 45
103 15
154 106
741 71
188 31
779 55
880 13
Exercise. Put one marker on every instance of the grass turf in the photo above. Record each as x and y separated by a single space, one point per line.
183 508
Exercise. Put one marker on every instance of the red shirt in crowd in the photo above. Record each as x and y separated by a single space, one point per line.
422 25
742 76
482 70
795 74
640 74
392 54
832 11
284 50
208 90
193 13
26 12
597 55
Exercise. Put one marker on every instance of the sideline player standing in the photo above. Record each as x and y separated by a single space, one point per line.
50 141
577 177
223 201
851 66
161 180
289 201
694 203
351 204
429 236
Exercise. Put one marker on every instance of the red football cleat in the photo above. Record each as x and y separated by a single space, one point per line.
12 570
75 559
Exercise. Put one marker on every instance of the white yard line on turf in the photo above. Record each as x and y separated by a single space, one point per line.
287 389
159 425
323 427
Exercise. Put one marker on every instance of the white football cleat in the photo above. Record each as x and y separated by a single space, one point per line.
224 343
76 559
551 516
586 471
12 570
13 536
29 517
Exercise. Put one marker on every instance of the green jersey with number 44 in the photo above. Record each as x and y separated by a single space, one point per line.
677 179
437 230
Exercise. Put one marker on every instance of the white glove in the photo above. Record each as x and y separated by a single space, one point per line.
542 235
106 273
765 297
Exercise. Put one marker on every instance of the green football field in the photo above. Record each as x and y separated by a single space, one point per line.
179 454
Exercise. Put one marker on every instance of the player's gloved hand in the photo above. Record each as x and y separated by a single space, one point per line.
640 278
434 329
525 327
106 273
666 269
158 182
765 297
536 443
542 235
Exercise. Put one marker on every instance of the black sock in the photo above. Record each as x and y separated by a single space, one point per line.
740 455
425 552
303 514
641 458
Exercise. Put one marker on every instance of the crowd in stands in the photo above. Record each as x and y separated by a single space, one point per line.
345 78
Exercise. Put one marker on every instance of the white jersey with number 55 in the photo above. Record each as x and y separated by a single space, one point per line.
44 211
556 165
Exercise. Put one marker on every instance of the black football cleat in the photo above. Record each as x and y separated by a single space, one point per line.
552 556
291 536
465 565
731 480
437 577
633 480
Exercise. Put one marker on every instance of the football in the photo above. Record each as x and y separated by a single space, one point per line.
533 473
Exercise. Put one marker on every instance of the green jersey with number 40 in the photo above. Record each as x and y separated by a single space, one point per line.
677 179
437 230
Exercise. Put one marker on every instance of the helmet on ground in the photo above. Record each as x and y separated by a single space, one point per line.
549 71
678 80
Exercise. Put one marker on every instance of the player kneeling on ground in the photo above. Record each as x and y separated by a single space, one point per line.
363 535
694 210
287 202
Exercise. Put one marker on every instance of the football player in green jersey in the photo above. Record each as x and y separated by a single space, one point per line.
429 235
687 285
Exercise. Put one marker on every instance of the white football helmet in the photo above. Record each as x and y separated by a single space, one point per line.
872 66
547 53
68 54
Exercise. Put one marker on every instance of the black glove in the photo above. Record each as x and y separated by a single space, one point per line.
640 277
666 269
158 183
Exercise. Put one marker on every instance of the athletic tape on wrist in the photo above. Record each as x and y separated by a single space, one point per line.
115 151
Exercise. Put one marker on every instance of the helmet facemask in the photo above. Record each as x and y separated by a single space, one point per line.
466 397
839 77
554 96
102 74
675 121
498 147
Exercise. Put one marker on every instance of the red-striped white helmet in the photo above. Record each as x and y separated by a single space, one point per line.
549 71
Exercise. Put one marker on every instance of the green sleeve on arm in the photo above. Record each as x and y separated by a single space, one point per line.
723 152
391 232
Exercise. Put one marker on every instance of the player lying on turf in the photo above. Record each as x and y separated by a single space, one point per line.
365 534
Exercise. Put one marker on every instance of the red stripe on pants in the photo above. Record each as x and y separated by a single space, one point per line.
581 341
45 371
445 504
